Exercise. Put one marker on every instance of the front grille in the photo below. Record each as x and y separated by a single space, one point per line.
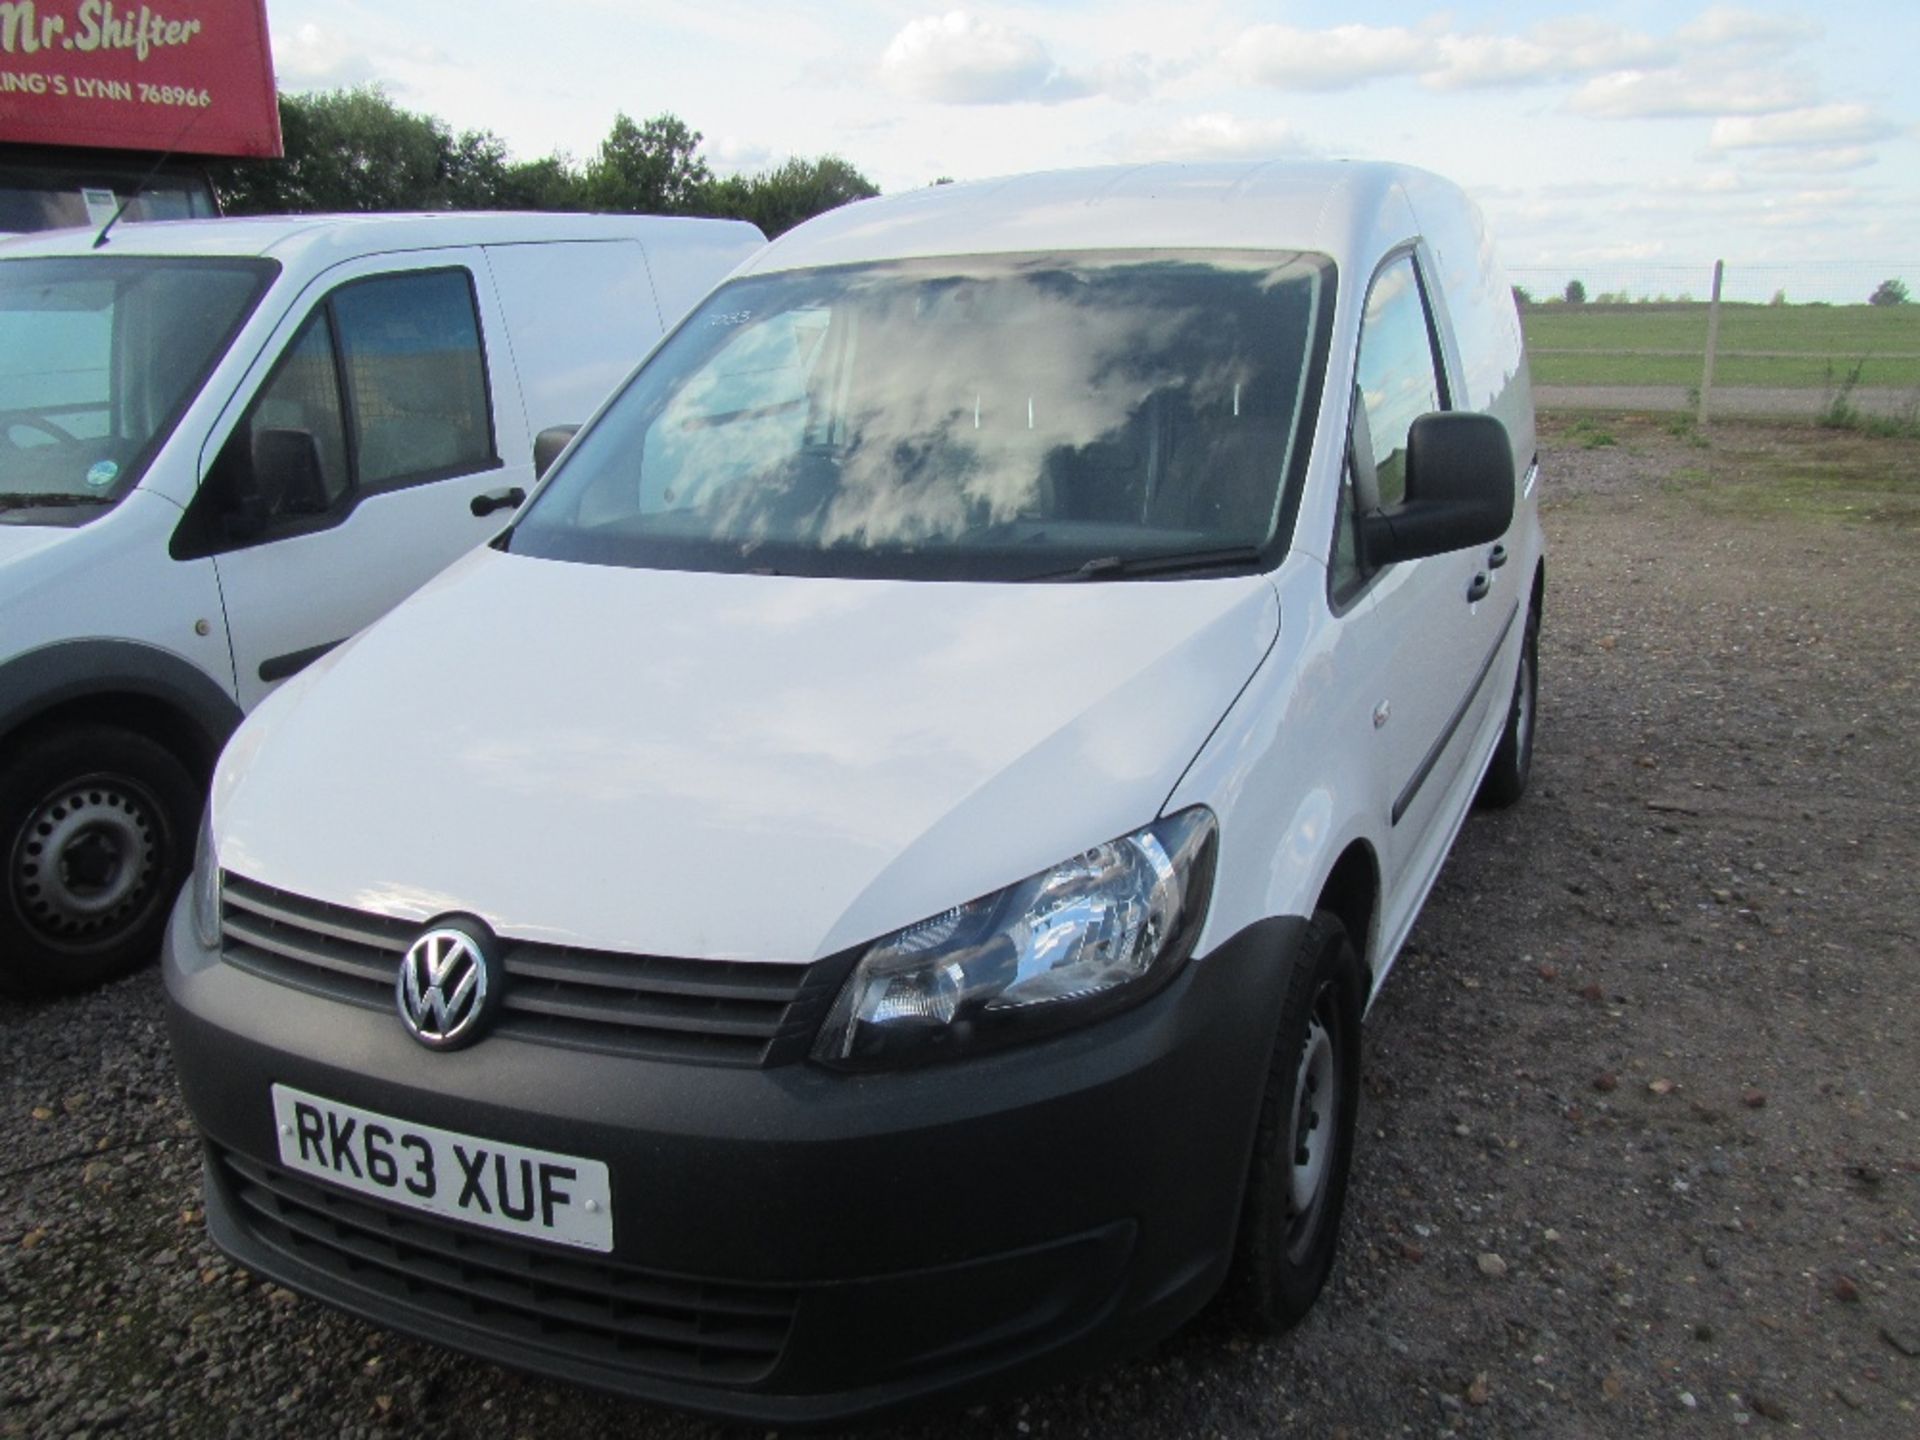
527 1294
720 1012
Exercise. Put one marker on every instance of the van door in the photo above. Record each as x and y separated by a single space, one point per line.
365 453
1430 621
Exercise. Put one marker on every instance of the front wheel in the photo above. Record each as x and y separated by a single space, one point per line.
1297 1185
96 831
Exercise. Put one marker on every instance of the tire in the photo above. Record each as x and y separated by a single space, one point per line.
1290 1216
96 833
1506 777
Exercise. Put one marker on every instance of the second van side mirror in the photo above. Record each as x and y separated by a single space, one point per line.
1459 490
547 446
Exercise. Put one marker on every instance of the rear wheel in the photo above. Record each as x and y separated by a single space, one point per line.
96 831
1506 778
1297 1184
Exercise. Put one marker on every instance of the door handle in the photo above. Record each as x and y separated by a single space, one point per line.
1477 591
484 505
1496 557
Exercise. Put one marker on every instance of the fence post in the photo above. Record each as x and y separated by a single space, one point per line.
1713 341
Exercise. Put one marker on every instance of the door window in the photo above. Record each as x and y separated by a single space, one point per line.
384 386
416 379
302 398
1397 380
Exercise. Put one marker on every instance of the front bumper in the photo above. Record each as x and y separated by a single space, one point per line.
791 1244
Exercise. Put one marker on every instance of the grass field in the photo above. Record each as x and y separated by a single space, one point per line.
1798 472
1799 346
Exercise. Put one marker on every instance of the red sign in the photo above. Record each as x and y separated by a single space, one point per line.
194 76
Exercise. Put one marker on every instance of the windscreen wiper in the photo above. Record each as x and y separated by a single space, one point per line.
1174 562
31 501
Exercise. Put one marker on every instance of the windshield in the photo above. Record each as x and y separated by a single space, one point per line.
98 357
1018 417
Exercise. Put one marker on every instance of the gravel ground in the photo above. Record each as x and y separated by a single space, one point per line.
1638 1143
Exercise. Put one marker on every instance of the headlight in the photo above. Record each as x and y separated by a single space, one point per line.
1101 930
206 884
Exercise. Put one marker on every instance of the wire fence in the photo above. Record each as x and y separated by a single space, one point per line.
1820 282
1766 339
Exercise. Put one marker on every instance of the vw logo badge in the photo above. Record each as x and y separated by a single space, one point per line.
444 988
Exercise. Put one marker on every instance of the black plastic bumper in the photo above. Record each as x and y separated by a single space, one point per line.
913 1233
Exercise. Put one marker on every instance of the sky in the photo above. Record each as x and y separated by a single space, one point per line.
1629 143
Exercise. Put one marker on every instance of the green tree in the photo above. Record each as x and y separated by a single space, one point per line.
1575 293
1889 292
474 167
356 150
651 168
552 183
777 200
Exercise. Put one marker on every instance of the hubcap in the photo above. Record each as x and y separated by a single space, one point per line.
85 862
1316 1101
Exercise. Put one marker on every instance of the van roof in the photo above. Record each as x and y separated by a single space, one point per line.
1335 207
337 237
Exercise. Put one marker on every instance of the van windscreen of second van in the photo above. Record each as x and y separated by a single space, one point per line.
1018 417
98 358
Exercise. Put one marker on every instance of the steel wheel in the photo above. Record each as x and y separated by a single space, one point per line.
1303 1144
86 859
1316 1121
96 834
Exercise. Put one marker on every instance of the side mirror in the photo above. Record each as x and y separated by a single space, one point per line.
287 466
1459 490
547 446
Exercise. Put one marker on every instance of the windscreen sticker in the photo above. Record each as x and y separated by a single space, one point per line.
101 474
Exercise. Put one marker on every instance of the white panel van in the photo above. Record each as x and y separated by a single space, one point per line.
225 446
871 883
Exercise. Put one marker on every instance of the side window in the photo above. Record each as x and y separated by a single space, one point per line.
415 378
1397 380
286 461
384 385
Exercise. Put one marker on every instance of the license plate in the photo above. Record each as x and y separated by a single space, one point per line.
536 1193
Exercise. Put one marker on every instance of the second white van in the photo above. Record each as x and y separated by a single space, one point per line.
227 445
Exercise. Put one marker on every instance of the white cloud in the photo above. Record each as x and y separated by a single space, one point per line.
1714 182
311 58
1471 61
1691 189
731 155
1216 136
1833 197
1287 58
1821 125
1642 250
1823 161
1581 43
1130 78
1663 94
1555 50
1731 25
956 59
